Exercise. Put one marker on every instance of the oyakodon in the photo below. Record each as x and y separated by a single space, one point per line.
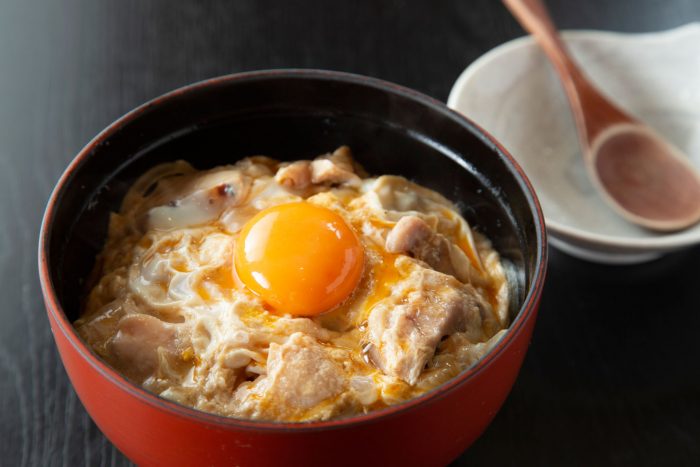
291 291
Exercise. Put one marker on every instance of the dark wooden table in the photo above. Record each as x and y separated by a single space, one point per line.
613 373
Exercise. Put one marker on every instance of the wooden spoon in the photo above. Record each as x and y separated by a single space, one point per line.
644 178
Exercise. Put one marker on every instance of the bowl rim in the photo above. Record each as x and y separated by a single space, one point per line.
527 309
669 241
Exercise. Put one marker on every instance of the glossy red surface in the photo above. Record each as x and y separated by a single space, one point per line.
432 433
429 430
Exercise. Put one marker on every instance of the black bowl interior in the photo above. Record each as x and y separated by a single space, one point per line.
293 115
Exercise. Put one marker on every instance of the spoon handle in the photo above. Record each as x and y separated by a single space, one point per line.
592 112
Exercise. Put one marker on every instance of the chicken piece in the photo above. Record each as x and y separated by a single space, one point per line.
408 233
412 235
97 327
204 200
295 176
300 375
135 345
405 329
336 168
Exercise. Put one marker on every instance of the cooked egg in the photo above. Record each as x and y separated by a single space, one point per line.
291 291
300 258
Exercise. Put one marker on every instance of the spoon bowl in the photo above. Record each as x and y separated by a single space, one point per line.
644 178
641 176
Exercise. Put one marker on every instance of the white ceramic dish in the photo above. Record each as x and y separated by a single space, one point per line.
513 93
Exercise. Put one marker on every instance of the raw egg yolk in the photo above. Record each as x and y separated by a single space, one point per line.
300 258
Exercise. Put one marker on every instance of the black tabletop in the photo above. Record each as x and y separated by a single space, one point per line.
612 376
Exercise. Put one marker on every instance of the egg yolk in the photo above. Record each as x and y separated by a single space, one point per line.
300 258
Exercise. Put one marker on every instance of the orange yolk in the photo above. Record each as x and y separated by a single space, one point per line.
300 258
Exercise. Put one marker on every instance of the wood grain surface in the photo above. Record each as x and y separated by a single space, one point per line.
612 376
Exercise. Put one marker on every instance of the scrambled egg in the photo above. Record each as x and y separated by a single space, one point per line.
169 311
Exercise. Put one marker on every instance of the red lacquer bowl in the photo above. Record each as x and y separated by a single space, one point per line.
291 114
